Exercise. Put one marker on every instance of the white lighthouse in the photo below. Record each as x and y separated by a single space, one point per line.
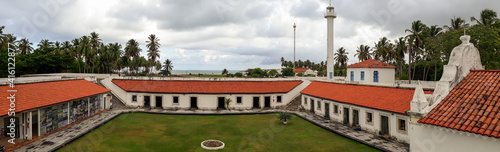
329 15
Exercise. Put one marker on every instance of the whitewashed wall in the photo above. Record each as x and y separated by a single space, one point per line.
120 93
428 138
373 127
385 75
205 101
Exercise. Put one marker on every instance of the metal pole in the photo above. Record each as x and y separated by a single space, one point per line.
294 45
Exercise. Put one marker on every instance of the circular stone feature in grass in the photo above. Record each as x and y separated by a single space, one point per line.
212 144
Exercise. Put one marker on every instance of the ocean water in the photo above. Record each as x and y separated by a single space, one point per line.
206 72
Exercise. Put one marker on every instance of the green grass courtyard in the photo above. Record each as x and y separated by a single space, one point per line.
159 132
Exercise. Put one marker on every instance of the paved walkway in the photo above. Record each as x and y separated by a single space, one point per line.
63 137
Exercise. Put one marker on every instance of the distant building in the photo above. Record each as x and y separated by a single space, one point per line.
305 71
371 71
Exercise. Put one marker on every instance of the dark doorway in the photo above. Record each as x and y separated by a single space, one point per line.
267 102
159 102
346 116
34 125
312 106
355 117
327 110
384 125
256 103
194 103
220 104
147 101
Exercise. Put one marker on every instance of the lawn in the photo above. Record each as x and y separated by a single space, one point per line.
158 132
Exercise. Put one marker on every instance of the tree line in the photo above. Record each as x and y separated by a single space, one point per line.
428 48
87 54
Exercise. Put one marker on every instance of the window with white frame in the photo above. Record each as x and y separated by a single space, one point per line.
176 100
362 75
134 98
402 125
369 117
238 100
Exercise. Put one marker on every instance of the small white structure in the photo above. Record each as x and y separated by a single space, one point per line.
371 71
330 15
305 71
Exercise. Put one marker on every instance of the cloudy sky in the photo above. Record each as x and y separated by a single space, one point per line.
232 34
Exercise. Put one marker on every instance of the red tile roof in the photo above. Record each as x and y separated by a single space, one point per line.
388 99
207 87
472 106
300 70
371 63
35 95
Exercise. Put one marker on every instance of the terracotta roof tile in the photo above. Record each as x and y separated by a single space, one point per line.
300 70
388 99
35 95
371 63
207 87
477 96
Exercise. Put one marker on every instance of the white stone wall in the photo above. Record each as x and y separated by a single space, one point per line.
120 93
205 101
385 75
428 138
374 126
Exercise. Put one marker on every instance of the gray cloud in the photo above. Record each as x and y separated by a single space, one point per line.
233 34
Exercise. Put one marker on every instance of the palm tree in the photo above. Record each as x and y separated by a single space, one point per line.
1 29
95 41
415 41
66 48
114 53
123 62
7 39
75 49
487 17
153 46
363 52
167 67
283 62
341 57
456 23
24 45
432 53
85 51
400 51
434 31
382 50
45 43
132 51
132 48
57 46
225 72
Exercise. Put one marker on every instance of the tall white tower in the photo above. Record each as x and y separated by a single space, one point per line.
329 15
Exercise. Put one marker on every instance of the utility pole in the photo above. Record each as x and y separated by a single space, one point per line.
294 26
